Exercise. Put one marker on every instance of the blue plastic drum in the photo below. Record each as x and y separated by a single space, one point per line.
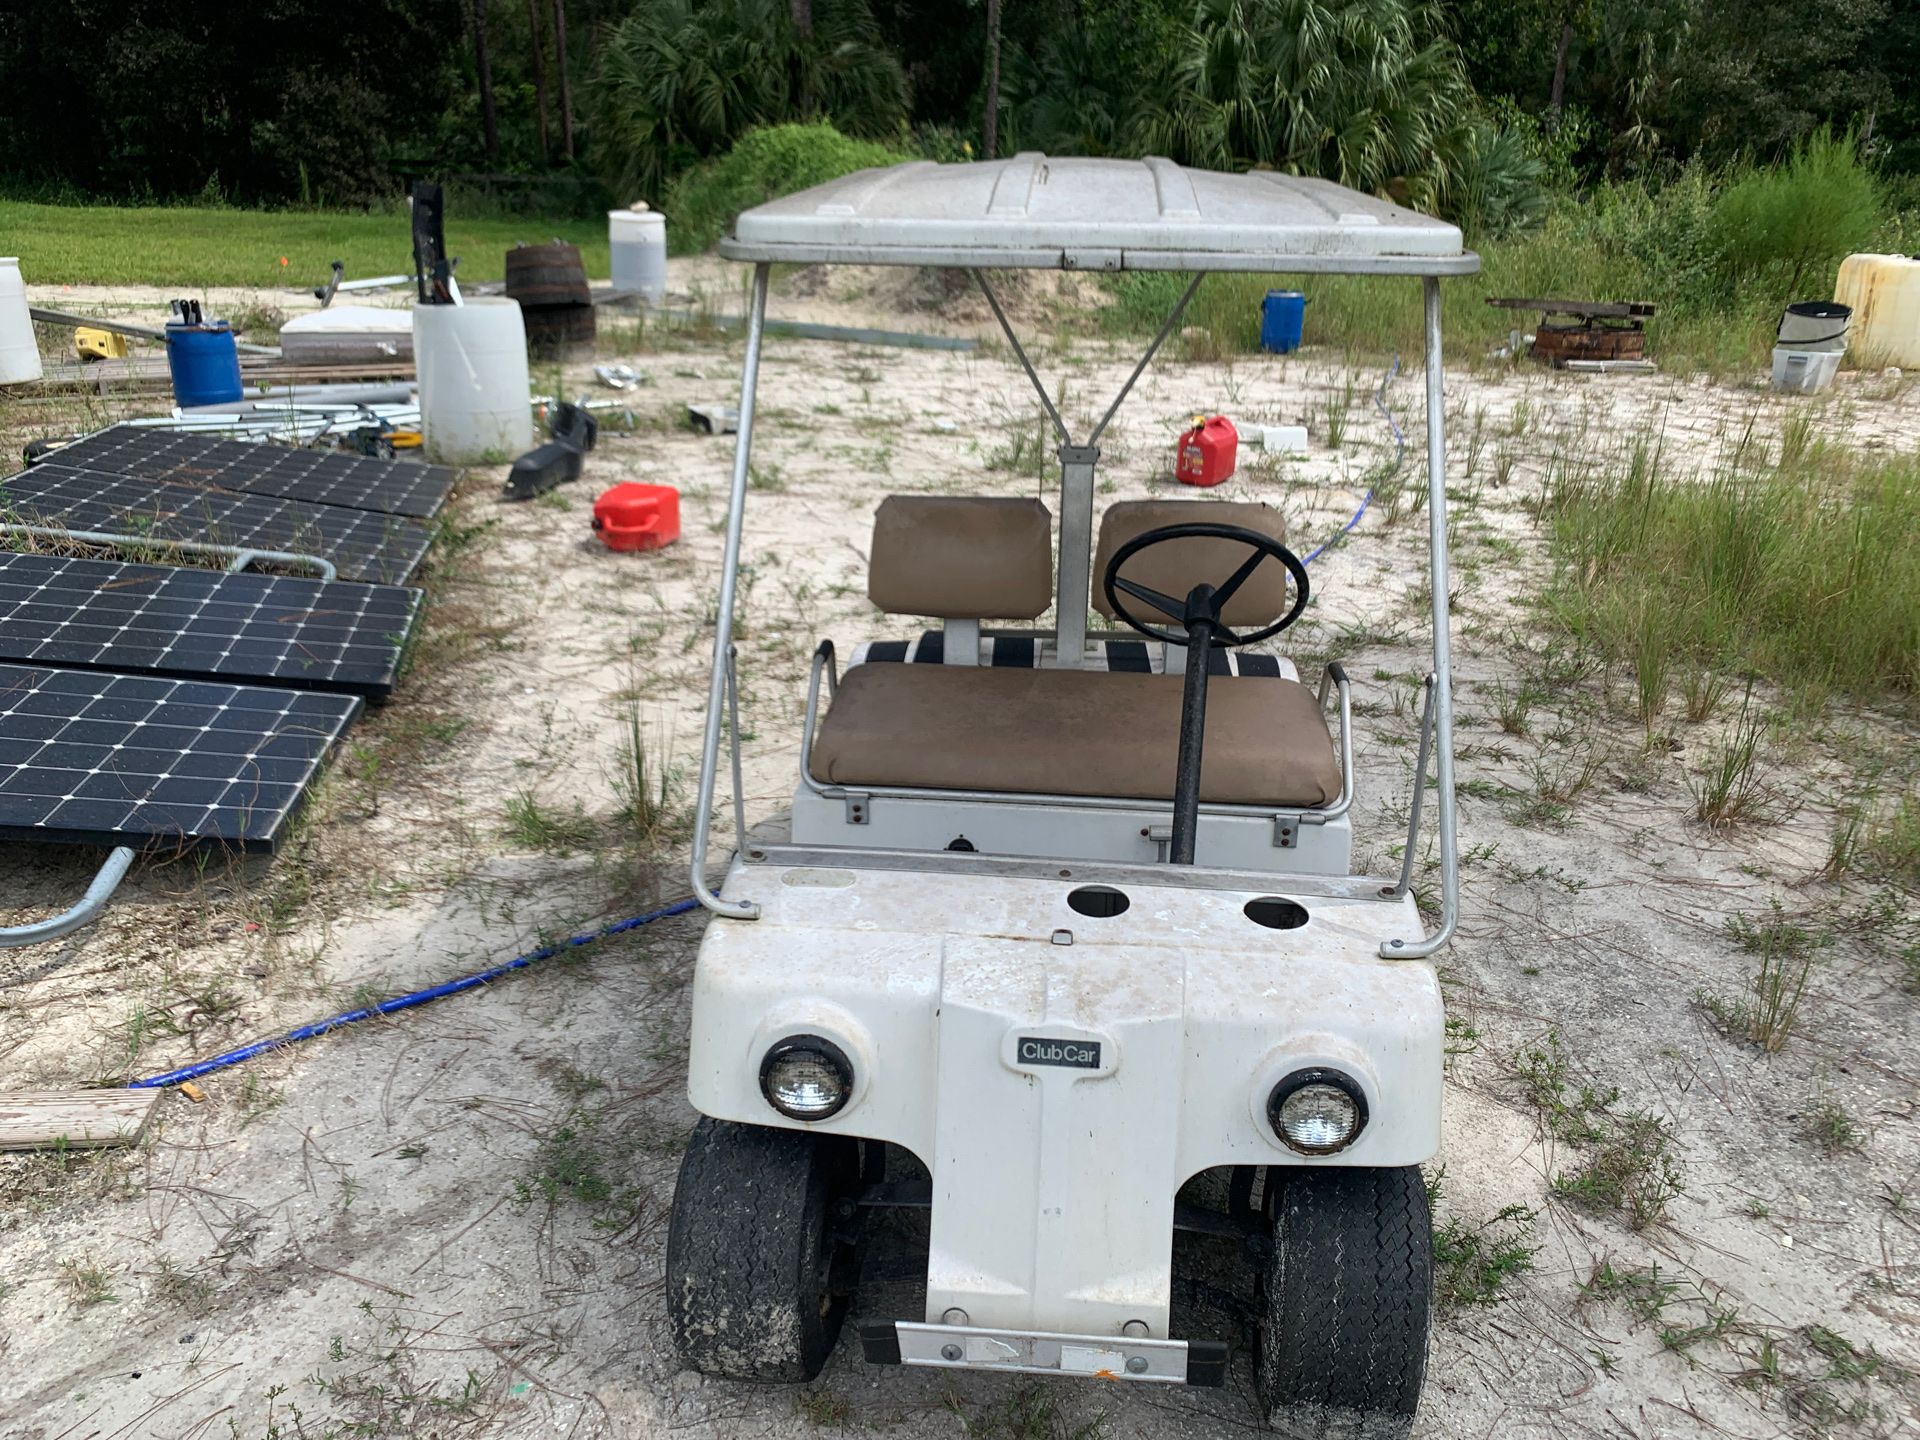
1281 315
204 364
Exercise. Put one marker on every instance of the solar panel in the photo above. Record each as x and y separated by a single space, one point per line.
361 544
320 477
103 614
94 758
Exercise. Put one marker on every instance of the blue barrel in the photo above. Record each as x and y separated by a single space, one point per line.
1281 315
204 363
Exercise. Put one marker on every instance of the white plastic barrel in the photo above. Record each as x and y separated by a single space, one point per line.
638 241
1884 291
472 361
19 355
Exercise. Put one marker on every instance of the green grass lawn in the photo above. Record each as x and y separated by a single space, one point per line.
183 246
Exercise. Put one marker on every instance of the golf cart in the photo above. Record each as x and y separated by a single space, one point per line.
1065 918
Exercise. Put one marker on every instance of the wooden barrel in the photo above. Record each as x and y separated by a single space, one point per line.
542 275
558 332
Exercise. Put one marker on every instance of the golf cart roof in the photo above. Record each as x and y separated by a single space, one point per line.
1038 212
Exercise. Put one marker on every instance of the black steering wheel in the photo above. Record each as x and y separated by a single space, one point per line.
1203 603
1200 630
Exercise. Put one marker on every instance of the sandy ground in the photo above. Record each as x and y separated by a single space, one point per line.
451 1223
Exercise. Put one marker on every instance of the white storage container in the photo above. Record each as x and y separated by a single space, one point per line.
474 396
637 239
1884 291
1803 372
348 335
19 355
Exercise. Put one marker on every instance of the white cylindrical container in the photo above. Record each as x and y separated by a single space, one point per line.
637 239
19 355
1815 325
475 407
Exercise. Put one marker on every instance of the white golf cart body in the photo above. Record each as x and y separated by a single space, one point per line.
1059 1069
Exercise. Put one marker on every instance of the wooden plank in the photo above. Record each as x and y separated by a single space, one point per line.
1588 309
84 1119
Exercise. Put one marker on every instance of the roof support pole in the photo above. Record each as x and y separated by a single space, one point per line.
718 689
1442 647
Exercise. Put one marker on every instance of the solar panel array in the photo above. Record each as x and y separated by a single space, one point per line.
320 477
106 614
112 759
362 544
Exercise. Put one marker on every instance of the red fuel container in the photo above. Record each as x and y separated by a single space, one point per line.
632 516
1206 454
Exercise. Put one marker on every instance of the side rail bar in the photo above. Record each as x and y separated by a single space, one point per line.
720 691
105 881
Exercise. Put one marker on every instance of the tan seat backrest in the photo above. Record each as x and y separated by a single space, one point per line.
961 557
1177 566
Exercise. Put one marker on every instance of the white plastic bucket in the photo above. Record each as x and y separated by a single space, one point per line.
638 242
1803 372
19 355
472 362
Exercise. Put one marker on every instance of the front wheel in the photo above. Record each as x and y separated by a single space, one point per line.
759 1265
1348 1302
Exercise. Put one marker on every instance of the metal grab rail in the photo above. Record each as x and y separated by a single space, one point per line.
719 690
824 664
106 880
240 556
1442 694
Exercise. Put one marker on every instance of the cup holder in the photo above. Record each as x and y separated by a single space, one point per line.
1275 913
1101 902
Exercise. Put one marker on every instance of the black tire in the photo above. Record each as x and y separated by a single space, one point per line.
1348 1302
759 1274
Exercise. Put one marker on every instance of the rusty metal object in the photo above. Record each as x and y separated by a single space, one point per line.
1600 329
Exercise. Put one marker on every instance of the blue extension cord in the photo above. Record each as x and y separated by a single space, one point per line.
404 1002
1399 456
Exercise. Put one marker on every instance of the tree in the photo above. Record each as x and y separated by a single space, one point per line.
681 80
539 74
990 121
483 65
566 82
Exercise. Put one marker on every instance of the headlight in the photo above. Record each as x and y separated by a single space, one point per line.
806 1078
1317 1111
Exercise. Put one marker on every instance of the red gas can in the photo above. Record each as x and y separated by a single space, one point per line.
1206 453
632 516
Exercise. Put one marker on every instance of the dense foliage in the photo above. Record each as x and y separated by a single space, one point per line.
1480 108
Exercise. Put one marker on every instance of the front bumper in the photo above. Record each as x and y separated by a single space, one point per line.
1035 1352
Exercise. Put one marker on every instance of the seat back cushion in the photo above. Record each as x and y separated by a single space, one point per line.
1177 566
961 557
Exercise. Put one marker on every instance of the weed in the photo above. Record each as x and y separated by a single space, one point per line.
1701 691
569 1165
1643 1292
1730 790
1766 1014
86 1283
1334 408
1828 1125
1516 706
1473 1263
1572 1114
1030 1412
822 1409
1631 1169
533 825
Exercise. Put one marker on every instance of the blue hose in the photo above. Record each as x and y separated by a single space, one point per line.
404 1002
1399 457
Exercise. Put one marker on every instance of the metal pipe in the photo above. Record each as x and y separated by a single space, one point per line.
1006 328
105 881
723 616
1442 644
1166 329
238 556
1419 793
733 745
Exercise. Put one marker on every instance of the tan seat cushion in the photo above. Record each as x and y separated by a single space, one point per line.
1177 566
1072 732
961 557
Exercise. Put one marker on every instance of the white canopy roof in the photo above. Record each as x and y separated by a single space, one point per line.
1038 212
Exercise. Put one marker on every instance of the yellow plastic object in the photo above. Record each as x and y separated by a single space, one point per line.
92 344
1884 291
